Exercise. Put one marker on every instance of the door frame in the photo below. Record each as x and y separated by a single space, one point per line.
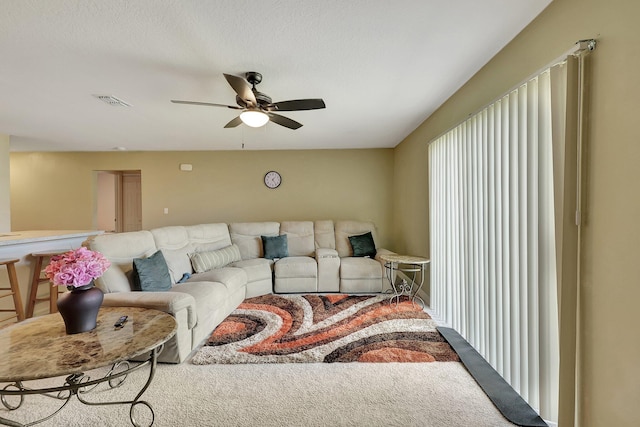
119 195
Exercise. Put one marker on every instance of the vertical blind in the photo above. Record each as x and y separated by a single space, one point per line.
493 203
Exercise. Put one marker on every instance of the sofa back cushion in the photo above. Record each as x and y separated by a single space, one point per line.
324 234
209 237
120 249
300 238
174 243
247 235
344 229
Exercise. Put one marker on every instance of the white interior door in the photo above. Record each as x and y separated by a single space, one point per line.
118 201
131 201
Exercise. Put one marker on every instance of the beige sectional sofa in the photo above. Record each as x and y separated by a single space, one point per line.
232 264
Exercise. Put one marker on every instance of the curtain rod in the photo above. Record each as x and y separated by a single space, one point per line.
576 50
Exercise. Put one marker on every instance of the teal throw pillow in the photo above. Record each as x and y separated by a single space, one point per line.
151 274
275 246
363 245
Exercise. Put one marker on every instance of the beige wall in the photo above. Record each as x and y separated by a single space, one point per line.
56 190
5 199
609 342
227 186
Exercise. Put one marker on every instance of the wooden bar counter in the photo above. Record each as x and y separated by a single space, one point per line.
20 244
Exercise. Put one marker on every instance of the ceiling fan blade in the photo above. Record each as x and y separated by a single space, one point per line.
206 103
233 123
242 88
300 104
284 121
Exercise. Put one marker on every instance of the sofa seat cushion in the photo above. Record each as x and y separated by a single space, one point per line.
297 266
360 268
231 277
208 296
257 269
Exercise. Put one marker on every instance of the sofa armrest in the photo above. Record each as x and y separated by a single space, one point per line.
169 302
328 270
326 253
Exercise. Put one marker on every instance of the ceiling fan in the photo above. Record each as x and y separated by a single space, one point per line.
257 107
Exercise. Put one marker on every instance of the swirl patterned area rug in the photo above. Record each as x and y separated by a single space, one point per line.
325 328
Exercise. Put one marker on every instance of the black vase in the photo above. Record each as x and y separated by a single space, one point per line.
79 308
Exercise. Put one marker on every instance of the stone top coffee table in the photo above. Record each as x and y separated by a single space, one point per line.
39 348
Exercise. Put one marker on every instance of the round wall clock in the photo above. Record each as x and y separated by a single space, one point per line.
272 179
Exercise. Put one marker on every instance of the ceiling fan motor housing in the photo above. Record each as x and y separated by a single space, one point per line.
263 99
253 77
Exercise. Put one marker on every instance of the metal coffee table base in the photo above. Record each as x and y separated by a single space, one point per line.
80 385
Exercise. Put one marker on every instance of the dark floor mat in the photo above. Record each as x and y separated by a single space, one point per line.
509 403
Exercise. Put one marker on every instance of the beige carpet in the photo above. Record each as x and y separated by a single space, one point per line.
321 394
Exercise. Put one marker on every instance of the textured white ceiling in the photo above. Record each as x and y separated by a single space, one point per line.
382 68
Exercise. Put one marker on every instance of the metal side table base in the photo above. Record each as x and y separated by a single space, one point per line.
406 264
406 288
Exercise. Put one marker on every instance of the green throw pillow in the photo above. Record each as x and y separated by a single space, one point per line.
151 274
363 245
275 246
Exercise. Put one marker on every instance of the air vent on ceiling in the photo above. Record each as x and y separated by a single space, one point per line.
112 100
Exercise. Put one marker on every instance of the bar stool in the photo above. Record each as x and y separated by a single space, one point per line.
14 291
37 279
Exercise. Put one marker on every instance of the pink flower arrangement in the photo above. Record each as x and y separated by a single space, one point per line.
76 268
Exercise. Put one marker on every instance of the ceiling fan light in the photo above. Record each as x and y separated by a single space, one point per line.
254 118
